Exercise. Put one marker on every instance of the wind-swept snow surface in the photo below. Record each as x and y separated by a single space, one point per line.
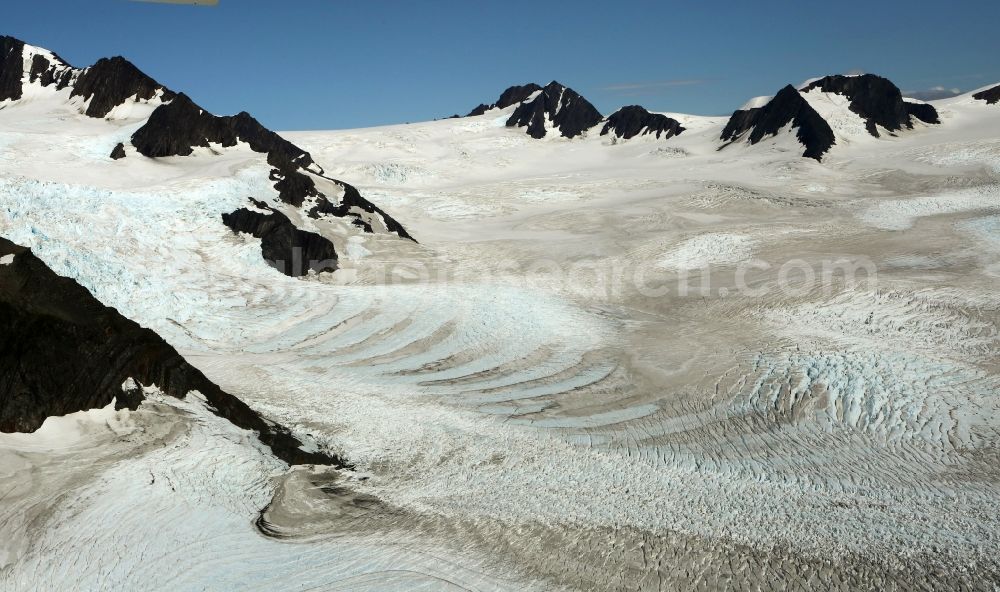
602 367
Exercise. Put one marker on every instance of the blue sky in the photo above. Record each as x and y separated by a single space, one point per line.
321 64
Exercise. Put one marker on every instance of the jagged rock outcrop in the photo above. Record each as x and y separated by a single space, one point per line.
877 100
633 120
990 95
119 152
567 111
288 249
351 204
787 107
62 351
511 96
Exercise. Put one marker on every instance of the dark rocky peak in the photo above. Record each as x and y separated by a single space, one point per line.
511 96
111 81
62 351
633 120
877 100
105 85
990 95
788 106
569 112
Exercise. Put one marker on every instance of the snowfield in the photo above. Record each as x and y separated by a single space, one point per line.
528 397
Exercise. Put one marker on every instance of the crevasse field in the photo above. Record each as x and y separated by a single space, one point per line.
603 366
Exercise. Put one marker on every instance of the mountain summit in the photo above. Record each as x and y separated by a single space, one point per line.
539 110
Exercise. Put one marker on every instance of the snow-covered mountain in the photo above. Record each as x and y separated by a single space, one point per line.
826 110
787 112
540 110
819 114
559 109
31 73
169 124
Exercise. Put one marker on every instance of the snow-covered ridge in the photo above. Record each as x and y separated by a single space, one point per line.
756 103
106 89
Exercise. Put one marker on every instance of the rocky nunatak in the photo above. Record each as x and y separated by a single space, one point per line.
286 248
